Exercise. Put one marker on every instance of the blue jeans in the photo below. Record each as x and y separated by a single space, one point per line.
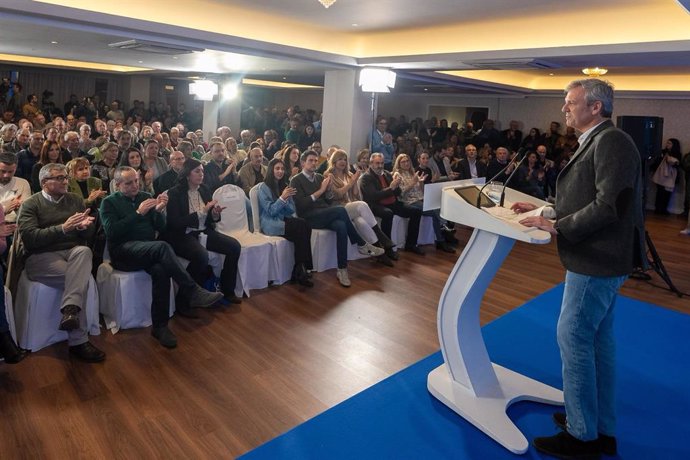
586 341
336 218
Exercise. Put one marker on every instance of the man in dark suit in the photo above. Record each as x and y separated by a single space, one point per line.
381 192
469 167
512 137
599 228
497 164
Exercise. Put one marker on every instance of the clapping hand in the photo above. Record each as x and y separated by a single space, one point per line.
78 221
7 230
421 177
287 193
161 202
148 204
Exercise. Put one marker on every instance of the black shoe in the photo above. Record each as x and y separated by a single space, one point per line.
202 298
415 249
564 445
301 276
450 238
233 299
164 336
445 247
385 260
87 352
70 318
392 255
608 444
9 350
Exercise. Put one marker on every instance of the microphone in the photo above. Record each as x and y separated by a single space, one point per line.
503 190
479 197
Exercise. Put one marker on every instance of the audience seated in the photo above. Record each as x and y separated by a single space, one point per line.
277 217
220 170
381 191
104 169
81 183
134 160
54 226
153 162
253 172
470 167
344 191
131 219
313 205
497 164
191 211
169 178
50 153
13 190
9 350
412 194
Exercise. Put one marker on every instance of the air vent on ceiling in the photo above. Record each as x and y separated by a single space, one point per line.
511 64
154 47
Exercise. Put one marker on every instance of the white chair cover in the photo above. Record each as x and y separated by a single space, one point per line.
125 298
257 259
37 314
9 313
399 231
283 250
324 253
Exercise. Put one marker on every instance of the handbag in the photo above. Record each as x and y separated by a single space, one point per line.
665 175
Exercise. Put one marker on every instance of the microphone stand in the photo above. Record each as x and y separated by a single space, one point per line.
512 160
503 190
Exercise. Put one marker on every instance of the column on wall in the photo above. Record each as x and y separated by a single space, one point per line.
137 87
230 110
346 112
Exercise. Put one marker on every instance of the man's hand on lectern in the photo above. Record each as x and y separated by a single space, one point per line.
521 206
540 222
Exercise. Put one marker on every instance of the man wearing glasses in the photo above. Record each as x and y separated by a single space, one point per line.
55 227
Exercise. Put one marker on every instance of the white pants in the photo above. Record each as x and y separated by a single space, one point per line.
363 220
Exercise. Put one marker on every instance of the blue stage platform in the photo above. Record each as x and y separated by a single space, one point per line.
398 419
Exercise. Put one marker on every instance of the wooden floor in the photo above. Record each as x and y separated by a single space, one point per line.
246 374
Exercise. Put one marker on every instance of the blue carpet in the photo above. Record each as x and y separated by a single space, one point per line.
398 419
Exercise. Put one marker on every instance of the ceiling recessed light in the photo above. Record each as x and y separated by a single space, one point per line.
551 74
140 62
426 89
284 78
54 42
174 57
355 25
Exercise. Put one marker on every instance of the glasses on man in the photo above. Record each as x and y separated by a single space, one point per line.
58 178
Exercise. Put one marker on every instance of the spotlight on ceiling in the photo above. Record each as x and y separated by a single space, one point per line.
203 90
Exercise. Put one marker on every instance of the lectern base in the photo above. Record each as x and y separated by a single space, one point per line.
488 413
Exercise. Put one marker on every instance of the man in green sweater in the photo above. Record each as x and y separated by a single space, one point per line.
55 227
131 219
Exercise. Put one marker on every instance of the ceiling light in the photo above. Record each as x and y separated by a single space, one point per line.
203 90
594 72
326 3
54 42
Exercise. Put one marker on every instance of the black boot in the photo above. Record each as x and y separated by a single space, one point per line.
9 350
301 276
385 242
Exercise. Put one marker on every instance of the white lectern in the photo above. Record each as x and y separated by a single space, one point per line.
468 382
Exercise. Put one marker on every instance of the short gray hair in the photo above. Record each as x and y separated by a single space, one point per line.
596 90
117 176
45 171
376 154
8 127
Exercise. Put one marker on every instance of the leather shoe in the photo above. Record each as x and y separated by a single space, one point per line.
608 444
233 299
445 247
87 352
415 249
9 349
164 336
385 260
70 318
203 299
565 445
392 255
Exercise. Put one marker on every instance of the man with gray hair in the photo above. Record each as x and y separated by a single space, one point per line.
7 133
55 227
253 172
599 227
131 219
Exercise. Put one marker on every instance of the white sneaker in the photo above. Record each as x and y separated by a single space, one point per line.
369 249
343 278
685 231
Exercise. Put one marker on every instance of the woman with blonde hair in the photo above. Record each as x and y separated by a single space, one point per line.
344 190
412 193
81 183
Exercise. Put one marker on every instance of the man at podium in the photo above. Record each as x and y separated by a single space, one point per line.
599 226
